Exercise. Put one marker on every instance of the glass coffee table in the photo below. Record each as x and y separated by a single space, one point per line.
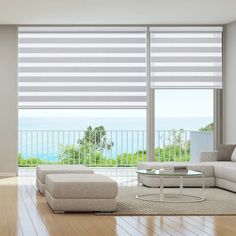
173 197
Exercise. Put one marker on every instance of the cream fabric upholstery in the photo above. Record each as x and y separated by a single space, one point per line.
81 186
81 192
233 157
226 184
217 173
40 186
43 170
80 205
225 170
209 156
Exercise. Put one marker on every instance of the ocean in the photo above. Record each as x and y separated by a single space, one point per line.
56 132
59 123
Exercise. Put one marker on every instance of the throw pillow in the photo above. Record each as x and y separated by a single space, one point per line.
233 157
225 152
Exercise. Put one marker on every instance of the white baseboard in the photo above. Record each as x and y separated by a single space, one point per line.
8 174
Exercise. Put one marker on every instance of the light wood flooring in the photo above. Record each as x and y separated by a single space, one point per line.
23 211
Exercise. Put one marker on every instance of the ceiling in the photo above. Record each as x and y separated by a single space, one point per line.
117 11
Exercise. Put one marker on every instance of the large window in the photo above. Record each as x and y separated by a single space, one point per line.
110 67
77 77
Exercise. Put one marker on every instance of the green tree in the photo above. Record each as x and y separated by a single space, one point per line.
208 128
89 150
97 137
92 149
177 136
30 161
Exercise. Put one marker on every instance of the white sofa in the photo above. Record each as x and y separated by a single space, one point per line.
217 173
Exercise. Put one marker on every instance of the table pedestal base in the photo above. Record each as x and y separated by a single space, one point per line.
159 198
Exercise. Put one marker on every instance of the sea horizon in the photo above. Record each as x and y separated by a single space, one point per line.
121 123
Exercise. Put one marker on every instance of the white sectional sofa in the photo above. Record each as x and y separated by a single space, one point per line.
217 173
225 171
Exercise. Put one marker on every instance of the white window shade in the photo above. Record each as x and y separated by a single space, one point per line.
82 67
186 57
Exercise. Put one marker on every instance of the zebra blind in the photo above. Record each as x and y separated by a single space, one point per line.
82 67
186 57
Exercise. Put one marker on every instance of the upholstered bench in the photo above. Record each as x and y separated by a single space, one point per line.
43 170
80 193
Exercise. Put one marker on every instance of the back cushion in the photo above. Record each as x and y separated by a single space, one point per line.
225 152
233 157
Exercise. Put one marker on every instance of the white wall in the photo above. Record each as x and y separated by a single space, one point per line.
229 97
8 94
8 100
117 12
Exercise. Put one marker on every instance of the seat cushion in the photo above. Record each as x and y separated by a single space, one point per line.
229 173
226 184
204 167
81 186
225 152
42 171
233 156
225 170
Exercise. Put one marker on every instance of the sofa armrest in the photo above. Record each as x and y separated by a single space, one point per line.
209 156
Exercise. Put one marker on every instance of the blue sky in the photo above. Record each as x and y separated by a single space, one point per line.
169 103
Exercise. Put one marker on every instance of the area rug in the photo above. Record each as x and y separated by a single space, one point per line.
218 202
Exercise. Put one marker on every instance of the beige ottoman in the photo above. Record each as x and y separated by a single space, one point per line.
81 193
42 171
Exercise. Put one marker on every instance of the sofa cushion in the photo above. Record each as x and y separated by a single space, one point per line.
225 152
229 173
225 170
206 167
233 157
81 186
43 170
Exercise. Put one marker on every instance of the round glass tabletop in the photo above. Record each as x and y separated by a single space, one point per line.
159 173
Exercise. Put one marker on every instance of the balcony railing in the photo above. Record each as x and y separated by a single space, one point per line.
114 148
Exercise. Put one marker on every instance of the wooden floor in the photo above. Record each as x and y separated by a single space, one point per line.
23 211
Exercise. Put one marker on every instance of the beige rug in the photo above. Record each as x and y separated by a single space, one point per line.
218 202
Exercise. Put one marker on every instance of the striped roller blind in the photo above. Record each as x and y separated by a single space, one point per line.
82 67
186 57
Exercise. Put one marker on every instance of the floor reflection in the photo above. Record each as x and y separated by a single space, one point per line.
9 217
